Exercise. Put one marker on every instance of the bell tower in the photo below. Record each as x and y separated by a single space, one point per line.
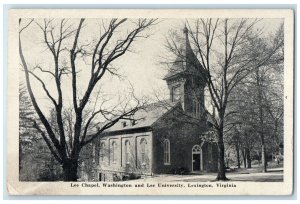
186 79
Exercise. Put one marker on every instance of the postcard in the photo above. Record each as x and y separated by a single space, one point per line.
150 102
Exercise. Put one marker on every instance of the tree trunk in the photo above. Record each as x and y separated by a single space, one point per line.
221 163
20 156
238 156
244 158
70 170
259 158
248 156
261 122
263 158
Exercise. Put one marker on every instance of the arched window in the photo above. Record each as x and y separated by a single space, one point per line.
102 147
197 158
167 151
210 146
196 149
175 93
94 152
143 150
113 152
127 150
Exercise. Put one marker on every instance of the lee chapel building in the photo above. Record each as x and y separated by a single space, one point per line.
164 137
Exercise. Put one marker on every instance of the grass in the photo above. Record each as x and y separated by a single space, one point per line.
256 167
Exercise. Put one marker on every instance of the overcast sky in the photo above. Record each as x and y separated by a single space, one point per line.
142 68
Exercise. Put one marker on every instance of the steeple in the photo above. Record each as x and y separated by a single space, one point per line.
185 78
185 30
186 60
189 54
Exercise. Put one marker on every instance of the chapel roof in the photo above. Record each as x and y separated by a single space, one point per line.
145 117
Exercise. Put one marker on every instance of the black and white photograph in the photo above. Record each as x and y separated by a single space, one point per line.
188 103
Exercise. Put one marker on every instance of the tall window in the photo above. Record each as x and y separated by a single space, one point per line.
196 106
127 150
102 147
143 151
94 152
167 151
113 152
210 151
175 93
83 173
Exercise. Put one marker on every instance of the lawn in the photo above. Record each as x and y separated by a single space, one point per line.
254 174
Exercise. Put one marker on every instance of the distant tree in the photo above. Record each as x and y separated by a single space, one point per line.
234 143
63 43
261 74
26 130
35 160
258 100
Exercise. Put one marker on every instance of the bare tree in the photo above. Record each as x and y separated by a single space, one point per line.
258 100
105 50
261 73
226 51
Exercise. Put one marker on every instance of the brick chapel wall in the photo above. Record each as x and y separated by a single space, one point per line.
134 164
182 138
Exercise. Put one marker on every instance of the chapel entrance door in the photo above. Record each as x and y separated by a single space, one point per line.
101 177
196 162
196 158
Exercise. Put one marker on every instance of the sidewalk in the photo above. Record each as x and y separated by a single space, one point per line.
247 175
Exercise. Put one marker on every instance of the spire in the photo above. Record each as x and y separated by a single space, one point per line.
187 60
187 46
185 30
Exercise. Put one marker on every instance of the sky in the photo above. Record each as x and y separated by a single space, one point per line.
141 68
